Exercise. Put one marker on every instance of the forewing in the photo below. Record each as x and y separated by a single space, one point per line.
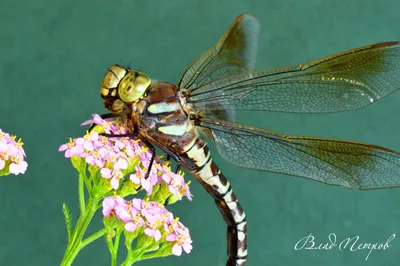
345 81
334 162
234 53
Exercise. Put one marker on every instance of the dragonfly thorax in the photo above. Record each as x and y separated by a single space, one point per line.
121 86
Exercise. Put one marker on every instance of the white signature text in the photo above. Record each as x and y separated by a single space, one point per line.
350 243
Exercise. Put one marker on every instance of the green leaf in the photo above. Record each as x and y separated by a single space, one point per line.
110 234
164 251
129 188
130 236
68 219
145 242
93 170
161 193
131 166
79 164
5 170
110 222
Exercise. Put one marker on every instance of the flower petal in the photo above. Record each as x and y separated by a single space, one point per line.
2 164
177 250
130 227
171 237
106 172
114 183
187 247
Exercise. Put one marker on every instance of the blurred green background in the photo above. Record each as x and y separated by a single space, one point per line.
53 55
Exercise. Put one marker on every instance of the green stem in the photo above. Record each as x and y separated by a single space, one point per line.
113 246
154 255
111 249
81 193
130 257
135 255
160 252
116 245
75 244
93 237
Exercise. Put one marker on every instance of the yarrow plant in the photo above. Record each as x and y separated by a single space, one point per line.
11 155
112 170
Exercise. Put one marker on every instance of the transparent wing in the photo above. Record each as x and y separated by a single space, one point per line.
334 162
344 81
234 53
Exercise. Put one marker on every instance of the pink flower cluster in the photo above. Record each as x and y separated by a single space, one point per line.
151 215
113 155
12 154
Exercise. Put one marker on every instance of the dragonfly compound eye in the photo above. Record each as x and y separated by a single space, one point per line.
112 78
133 86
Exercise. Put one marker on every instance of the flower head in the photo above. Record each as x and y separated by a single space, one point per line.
11 155
179 234
153 217
176 184
113 156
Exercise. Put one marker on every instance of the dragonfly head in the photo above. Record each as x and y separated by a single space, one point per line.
121 85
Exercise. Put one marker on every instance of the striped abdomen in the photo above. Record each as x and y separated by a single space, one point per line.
165 123
197 159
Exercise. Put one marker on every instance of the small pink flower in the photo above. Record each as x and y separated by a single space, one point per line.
3 145
18 168
121 164
145 157
181 237
139 178
123 213
73 148
152 232
12 154
115 176
108 206
115 182
176 184
151 209
133 224
95 158
130 226
106 172
121 144
96 120
137 203
2 164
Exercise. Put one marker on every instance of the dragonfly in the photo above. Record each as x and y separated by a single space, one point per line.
178 118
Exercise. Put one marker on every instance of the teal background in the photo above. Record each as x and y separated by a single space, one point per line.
53 55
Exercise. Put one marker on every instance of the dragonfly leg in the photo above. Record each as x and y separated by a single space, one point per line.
119 135
166 202
153 155
178 167
177 160
153 151
134 134
148 144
